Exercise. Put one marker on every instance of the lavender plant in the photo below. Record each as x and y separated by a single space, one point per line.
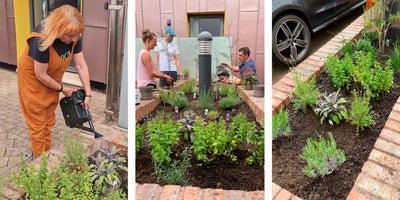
322 157
331 107
280 124
174 174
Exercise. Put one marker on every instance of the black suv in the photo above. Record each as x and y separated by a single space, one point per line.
295 20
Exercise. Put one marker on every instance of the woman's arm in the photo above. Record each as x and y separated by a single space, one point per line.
146 59
83 71
42 76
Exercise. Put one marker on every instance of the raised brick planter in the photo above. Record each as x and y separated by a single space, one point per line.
156 192
380 175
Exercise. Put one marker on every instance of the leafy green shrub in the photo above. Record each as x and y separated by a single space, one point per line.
75 156
38 184
395 58
371 76
365 46
331 107
206 100
257 148
361 114
241 129
139 139
280 124
211 139
167 96
213 115
307 94
224 90
186 88
229 102
322 157
162 136
340 71
174 174
179 101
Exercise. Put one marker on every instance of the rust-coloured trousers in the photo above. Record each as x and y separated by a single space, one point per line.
38 102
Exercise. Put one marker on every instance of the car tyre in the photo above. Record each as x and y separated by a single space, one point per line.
291 40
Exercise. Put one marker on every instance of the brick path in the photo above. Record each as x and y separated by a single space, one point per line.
14 136
380 175
156 192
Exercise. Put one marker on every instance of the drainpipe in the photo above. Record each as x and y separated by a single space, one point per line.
205 44
115 58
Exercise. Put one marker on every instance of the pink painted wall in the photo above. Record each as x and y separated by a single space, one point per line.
244 22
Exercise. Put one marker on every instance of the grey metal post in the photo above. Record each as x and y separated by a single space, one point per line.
205 43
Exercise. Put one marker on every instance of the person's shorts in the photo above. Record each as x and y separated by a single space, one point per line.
173 74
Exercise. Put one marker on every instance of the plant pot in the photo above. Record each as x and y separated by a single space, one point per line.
248 87
147 92
258 90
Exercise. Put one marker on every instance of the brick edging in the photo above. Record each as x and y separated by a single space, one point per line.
157 192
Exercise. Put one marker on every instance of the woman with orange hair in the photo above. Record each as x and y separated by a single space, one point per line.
51 46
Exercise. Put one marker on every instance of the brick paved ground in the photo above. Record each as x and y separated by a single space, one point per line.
380 175
14 136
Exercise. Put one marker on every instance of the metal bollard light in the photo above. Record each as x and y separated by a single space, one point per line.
205 44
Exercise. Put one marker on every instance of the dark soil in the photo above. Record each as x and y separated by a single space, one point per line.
287 165
222 172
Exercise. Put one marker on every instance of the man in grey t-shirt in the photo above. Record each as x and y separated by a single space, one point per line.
167 57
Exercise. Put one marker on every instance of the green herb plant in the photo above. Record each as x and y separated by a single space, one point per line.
306 94
331 107
179 101
280 124
340 71
371 76
206 99
174 174
162 136
241 129
395 58
186 88
105 170
139 139
322 157
213 115
348 48
188 122
361 113
38 184
256 149
229 102
75 156
212 140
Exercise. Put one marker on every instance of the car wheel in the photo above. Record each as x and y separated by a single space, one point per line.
291 40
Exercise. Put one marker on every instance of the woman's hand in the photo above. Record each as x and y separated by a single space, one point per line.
87 102
168 79
68 91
